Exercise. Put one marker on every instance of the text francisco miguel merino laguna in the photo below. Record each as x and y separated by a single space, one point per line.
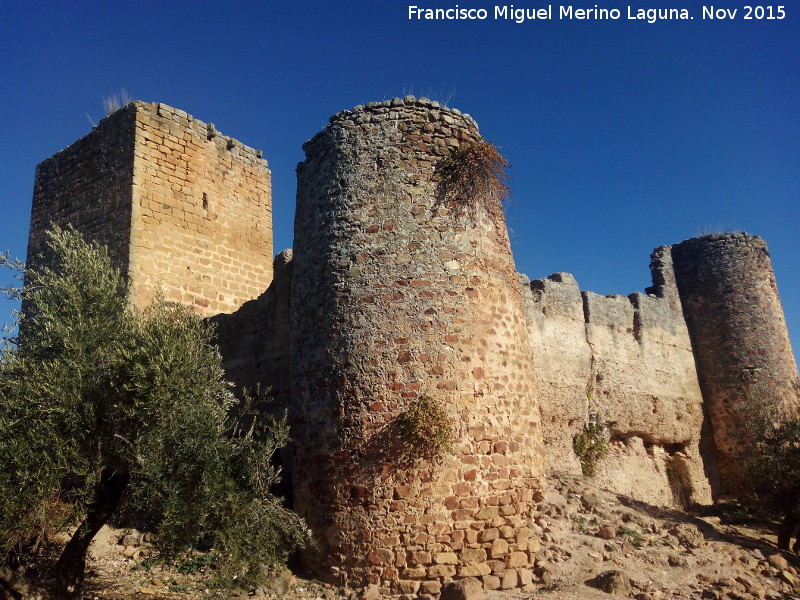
651 15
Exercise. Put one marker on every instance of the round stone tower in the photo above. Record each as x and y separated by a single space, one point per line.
738 331
397 296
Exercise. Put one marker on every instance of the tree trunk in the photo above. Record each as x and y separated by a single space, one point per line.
72 563
785 530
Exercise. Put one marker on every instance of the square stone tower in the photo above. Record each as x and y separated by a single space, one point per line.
180 206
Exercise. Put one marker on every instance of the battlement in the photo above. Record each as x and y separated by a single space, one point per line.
421 109
201 130
630 359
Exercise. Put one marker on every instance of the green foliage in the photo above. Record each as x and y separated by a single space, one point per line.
426 427
767 425
195 563
591 444
98 389
634 537
474 174
584 525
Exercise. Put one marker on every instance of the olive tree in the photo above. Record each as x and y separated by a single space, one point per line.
105 408
768 425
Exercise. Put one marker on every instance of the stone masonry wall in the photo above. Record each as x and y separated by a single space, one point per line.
89 186
202 214
254 340
734 314
629 359
396 296
181 207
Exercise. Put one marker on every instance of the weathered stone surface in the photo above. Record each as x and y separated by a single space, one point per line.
178 210
411 296
463 589
730 298
613 582
630 360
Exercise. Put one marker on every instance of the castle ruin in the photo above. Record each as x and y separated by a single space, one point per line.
389 295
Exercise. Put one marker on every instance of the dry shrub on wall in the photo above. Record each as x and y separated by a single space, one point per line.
474 174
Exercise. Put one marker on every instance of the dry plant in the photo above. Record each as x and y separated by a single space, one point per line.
116 101
472 175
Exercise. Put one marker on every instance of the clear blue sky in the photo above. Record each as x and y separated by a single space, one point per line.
623 135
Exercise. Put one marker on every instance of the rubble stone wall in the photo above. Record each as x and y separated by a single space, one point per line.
734 314
391 295
395 296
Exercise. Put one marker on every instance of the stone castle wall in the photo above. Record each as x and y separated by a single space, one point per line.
181 207
89 185
392 295
255 339
396 296
741 344
630 360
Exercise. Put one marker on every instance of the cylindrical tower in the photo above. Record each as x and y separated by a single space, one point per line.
397 296
738 331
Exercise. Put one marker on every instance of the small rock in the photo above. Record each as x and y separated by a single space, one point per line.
371 592
130 551
156 582
778 561
590 501
280 584
463 589
607 532
146 591
132 539
613 582
677 560
788 577
688 535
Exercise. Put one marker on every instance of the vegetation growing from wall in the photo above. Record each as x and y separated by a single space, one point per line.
474 174
426 428
106 409
591 444
768 454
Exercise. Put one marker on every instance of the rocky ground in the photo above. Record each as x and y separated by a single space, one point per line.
594 545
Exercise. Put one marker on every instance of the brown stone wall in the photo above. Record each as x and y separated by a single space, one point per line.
395 296
629 359
254 340
738 330
202 214
181 207
88 185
